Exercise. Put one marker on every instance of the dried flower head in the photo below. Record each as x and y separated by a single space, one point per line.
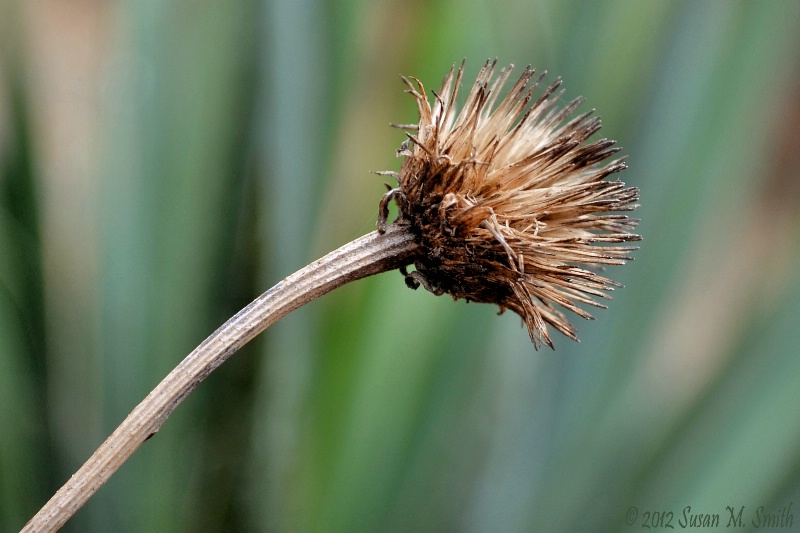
509 202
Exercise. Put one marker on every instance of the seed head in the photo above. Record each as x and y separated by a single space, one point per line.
509 202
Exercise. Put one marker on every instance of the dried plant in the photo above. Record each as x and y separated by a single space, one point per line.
506 205
510 204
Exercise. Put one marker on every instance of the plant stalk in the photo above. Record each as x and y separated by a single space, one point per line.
371 254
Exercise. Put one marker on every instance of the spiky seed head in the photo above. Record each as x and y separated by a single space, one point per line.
510 201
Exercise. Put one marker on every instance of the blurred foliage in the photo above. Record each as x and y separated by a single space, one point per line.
163 162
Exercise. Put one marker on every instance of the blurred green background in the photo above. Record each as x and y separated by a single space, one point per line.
164 162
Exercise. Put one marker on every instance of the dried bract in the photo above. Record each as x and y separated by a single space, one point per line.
509 201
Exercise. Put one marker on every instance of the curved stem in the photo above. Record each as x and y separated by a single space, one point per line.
371 254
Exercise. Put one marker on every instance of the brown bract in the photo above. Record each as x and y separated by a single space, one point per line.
509 201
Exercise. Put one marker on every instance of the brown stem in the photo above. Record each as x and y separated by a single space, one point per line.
367 255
